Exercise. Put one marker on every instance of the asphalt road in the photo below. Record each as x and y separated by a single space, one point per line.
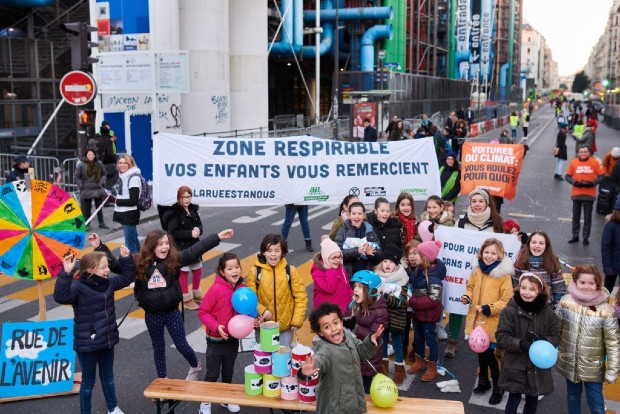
541 203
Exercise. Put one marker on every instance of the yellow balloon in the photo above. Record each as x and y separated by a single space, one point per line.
383 391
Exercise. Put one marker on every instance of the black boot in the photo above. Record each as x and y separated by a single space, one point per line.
496 395
309 245
483 385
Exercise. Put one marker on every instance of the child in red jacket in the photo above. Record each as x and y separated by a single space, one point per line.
214 312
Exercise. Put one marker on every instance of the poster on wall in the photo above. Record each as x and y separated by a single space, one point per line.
36 358
475 30
362 111
172 71
122 25
124 72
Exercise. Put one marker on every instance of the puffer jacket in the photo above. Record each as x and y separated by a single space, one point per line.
367 324
216 307
426 298
390 233
350 256
286 301
610 248
518 374
90 187
330 285
340 388
586 337
95 326
494 289
396 305
160 290
181 224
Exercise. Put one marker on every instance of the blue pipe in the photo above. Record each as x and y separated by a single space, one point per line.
286 32
502 74
298 24
329 15
327 37
367 51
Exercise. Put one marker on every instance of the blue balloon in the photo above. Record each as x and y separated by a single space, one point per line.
245 302
543 354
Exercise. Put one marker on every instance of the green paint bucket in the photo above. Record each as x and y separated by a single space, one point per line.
253 381
270 336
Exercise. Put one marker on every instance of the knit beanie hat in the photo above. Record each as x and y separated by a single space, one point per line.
511 224
391 253
451 154
480 191
430 249
328 247
615 152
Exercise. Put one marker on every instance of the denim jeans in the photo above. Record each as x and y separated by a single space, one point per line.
594 396
89 362
559 166
425 333
291 210
397 344
131 237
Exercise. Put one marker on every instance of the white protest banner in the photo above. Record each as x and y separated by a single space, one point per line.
458 250
36 358
301 170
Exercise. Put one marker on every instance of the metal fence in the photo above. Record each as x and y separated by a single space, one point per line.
48 169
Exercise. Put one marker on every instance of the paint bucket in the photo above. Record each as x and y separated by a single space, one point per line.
253 381
289 388
281 362
307 390
299 354
271 386
262 360
269 336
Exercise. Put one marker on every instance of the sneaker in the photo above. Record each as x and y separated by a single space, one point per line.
116 410
205 408
440 331
104 226
192 374
233 408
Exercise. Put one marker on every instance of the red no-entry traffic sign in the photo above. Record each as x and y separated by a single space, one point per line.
78 88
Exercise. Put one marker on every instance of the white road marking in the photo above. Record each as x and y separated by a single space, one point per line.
8 304
320 211
261 214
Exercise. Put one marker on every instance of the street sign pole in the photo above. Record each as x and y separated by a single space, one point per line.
47 124
78 88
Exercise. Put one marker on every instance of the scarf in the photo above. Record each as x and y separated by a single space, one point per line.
589 299
479 219
536 261
486 269
409 226
95 282
534 306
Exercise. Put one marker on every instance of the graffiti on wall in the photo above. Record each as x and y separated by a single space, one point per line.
168 107
221 108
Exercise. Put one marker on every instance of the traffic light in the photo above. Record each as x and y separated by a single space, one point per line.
80 44
86 117
605 82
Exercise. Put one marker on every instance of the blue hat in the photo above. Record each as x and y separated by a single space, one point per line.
451 154
21 158
104 123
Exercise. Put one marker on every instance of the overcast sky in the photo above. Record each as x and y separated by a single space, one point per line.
570 27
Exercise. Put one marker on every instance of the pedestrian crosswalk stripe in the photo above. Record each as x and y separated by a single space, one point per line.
8 304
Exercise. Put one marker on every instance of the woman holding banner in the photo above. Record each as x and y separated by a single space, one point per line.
481 215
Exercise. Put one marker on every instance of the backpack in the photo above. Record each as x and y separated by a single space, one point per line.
145 201
288 277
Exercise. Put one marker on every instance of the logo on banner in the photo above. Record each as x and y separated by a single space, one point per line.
414 190
354 191
316 194
374 191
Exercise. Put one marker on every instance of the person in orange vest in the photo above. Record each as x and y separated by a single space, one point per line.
583 173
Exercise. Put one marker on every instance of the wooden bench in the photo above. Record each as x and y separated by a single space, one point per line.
173 391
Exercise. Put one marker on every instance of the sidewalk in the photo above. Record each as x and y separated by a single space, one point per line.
116 230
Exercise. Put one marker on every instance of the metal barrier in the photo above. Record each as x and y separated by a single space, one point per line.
68 175
45 168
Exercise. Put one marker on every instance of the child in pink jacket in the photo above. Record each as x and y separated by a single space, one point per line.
215 312
331 283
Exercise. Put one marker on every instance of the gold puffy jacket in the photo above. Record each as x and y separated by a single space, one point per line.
286 302
586 336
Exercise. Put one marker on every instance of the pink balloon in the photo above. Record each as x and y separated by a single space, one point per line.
425 235
240 326
479 340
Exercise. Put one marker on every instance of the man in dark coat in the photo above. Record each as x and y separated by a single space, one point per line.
20 167
106 152
370 133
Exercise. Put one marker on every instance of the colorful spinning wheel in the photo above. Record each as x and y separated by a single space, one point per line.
38 227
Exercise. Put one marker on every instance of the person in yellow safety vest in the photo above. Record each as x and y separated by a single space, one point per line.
525 122
514 123
578 129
